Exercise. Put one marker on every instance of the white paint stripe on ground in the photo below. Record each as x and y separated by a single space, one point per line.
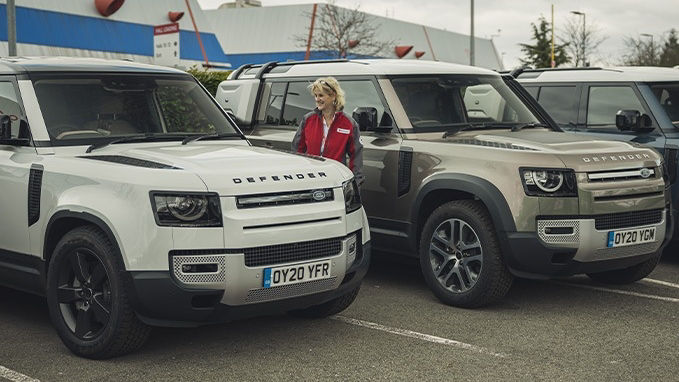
625 292
660 282
15 376
419 336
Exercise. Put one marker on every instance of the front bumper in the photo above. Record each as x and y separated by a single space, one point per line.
161 300
578 247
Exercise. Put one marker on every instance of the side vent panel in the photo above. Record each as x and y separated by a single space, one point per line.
34 190
405 164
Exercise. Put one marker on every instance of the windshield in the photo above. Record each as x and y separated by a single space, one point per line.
95 108
437 102
667 95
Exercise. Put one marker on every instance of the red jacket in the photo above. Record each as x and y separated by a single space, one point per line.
343 140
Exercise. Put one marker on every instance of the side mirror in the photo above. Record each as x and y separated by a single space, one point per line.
5 128
6 132
366 117
633 120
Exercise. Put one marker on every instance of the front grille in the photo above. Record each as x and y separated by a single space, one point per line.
627 219
286 253
622 175
285 198
287 291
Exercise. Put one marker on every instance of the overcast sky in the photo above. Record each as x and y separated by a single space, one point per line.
614 19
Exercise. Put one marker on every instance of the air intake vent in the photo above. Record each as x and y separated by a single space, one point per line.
130 161
628 219
405 164
34 191
285 253
499 145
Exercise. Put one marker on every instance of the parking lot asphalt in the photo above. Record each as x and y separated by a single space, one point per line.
558 330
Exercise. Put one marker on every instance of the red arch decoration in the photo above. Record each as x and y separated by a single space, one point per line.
402 50
108 7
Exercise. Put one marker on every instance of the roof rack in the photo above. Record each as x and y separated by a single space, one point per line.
266 67
518 71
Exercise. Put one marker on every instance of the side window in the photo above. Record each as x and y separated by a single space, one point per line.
605 101
298 102
274 104
9 105
561 102
533 91
361 93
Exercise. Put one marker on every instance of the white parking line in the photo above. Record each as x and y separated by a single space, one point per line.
660 282
419 336
617 291
15 376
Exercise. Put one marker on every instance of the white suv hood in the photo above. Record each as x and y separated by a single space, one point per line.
233 169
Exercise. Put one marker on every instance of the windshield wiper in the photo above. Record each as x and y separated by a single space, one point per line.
133 138
528 125
473 126
209 136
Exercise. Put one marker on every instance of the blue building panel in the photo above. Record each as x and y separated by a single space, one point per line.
40 27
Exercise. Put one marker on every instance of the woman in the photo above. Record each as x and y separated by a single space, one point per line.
329 132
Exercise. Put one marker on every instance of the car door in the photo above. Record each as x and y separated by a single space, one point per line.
15 171
283 105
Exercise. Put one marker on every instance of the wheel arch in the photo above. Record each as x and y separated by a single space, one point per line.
443 188
64 221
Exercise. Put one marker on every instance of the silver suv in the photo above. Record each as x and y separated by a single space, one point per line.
465 171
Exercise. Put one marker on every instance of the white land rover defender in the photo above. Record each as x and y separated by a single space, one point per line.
130 199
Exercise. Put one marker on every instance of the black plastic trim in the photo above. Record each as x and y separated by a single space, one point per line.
34 192
405 164
22 271
485 191
121 159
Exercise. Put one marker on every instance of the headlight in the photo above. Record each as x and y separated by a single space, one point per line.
186 209
549 182
352 197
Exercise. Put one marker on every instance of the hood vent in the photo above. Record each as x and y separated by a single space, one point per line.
499 145
130 161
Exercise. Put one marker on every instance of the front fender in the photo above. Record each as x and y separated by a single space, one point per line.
482 189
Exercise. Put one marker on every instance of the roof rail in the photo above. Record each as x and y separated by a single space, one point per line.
240 70
265 68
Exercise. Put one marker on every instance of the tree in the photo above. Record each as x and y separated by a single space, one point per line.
339 30
641 52
670 50
539 55
582 41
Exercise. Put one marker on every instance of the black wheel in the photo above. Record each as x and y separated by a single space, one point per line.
460 256
87 300
627 275
329 308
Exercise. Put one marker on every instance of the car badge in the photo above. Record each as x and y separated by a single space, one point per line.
645 173
318 195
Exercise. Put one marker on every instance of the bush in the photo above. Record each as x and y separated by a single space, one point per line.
209 79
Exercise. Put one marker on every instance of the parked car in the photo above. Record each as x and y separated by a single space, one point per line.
634 104
465 171
130 199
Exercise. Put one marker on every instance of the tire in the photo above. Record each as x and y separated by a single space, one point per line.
329 308
627 275
87 297
460 256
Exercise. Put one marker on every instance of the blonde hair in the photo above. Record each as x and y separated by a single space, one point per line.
329 85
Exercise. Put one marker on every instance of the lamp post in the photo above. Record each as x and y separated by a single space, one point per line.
11 29
471 36
584 35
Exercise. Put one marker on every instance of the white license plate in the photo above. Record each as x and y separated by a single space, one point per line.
298 273
631 237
